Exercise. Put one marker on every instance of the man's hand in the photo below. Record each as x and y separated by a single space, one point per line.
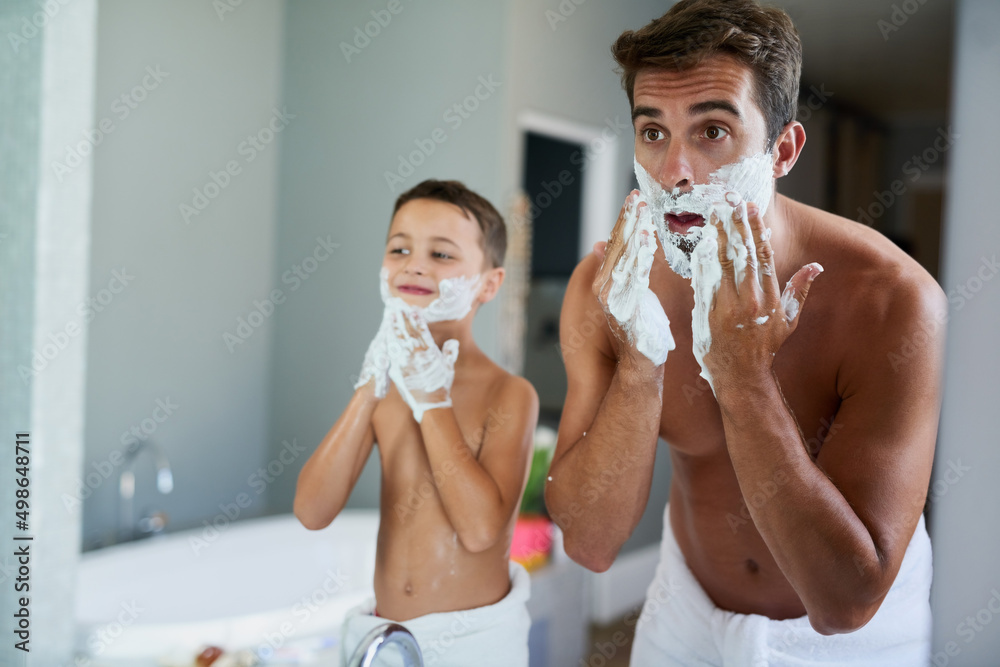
750 319
636 317
421 372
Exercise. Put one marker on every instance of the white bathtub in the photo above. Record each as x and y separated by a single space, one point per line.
257 583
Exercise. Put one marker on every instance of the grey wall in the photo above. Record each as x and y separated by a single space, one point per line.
160 337
354 120
966 593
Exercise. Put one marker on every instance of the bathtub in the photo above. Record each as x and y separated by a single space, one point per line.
267 584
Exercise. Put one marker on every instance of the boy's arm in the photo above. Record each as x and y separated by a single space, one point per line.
326 480
480 496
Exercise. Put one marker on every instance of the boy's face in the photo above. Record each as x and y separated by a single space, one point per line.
430 240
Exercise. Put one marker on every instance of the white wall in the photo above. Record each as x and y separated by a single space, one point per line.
964 508
161 337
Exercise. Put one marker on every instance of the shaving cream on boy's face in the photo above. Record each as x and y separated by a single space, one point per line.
752 177
455 299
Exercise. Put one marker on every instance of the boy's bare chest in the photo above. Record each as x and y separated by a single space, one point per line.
399 437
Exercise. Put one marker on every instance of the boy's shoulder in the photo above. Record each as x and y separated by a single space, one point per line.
499 387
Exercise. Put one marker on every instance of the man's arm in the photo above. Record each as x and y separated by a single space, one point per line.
840 526
326 480
480 496
602 468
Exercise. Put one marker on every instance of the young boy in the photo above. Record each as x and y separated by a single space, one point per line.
454 434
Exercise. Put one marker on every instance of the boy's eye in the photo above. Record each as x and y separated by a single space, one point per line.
715 132
442 255
399 251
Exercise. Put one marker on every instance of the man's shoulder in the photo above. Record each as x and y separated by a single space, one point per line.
870 284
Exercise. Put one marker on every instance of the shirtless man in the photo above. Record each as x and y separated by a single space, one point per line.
779 547
454 434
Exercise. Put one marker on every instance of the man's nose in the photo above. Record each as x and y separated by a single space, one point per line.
675 170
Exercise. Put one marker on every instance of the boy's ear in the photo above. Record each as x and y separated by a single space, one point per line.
492 280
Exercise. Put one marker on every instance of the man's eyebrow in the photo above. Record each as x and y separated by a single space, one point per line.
652 112
714 105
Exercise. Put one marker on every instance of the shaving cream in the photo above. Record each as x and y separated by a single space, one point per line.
417 367
695 255
456 297
636 307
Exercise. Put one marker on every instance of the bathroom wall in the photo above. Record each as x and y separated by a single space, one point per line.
181 87
560 64
965 493
361 103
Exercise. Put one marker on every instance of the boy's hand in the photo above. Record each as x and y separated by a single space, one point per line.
421 372
375 368
622 285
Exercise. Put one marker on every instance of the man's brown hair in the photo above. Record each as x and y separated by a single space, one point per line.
491 223
762 38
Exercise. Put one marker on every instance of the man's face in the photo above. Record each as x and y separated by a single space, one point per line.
689 124
429 241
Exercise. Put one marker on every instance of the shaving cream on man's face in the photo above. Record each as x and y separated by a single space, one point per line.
752 177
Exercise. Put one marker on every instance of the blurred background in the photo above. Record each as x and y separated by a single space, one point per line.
195 197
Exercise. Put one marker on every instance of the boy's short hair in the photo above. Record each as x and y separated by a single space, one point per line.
762 38
454 192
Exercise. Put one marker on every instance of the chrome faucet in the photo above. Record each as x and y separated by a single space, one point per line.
126 490
382 636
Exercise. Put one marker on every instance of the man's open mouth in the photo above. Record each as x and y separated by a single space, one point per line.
682 223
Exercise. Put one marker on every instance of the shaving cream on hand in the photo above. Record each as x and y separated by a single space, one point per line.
695 255
630 301
376 363
421 371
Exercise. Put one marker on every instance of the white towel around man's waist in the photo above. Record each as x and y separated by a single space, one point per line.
680 625
492 636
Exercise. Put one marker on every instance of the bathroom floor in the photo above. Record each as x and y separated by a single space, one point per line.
610 645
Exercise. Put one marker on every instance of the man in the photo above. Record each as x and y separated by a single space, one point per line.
800 471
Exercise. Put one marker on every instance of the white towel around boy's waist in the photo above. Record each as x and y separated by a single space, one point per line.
494 635
680 625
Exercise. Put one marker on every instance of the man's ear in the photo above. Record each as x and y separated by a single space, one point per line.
787 148
492 280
